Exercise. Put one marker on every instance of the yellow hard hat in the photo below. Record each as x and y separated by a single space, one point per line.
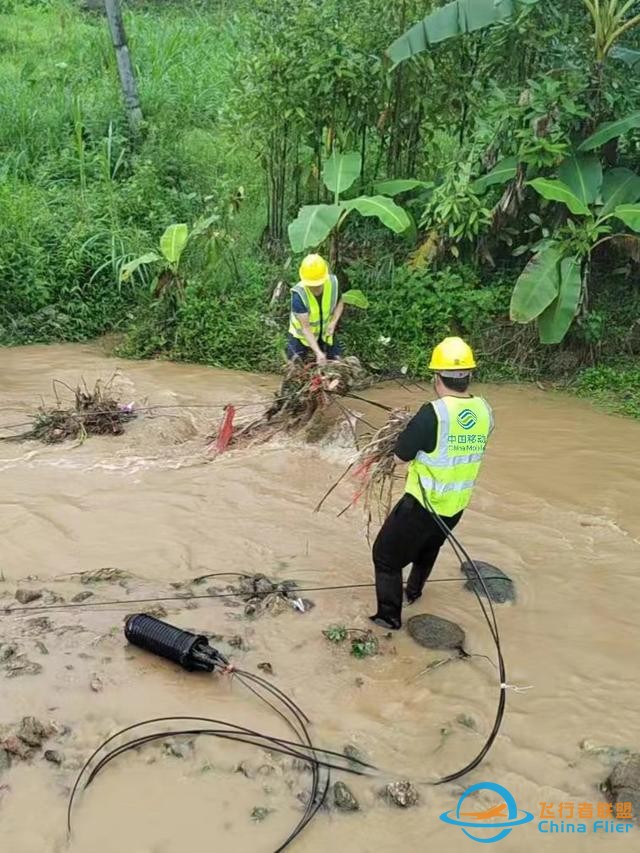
314 271
452 354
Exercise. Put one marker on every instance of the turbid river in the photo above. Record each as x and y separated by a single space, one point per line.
557 509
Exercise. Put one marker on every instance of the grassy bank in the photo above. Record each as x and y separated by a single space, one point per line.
80 196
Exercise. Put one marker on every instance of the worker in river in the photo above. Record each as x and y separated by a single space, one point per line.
316 308
444 444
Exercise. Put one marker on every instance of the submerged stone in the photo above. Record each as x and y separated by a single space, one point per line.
21 665
260 813
344 799
434 632
623 785
26 596
499 586
402 794
33 732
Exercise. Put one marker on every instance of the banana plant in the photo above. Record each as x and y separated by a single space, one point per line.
166 262
551 287
612 19
316 222
451 20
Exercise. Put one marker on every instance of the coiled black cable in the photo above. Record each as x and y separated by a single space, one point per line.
298 722
318 759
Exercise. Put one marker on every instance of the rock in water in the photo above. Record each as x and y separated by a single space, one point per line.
500 588
20 665
33 732
260 813
623 785
26 596
344 799
262 585
402 794
433 632
353 753
82 596
7 651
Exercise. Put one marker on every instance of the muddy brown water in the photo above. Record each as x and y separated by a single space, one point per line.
556 509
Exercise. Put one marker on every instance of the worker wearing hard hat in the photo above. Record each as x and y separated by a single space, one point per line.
316 308
444 445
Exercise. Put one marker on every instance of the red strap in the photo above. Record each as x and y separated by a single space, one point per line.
225 432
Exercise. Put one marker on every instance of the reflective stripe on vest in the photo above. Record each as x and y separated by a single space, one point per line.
447 475
329 302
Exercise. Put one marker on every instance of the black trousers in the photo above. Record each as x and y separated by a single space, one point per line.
409 535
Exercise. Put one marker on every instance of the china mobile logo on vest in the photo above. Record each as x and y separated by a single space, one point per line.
497 820
467 419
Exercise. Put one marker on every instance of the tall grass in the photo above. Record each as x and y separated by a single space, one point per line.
77 194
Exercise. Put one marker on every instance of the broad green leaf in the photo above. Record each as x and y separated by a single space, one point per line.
582 173
355 298
203 225
386 210
629 214
502 172
555 321
620 186
173 241
401 186
341 170
537 286
313 225
625 54
453 19
610 130
128 269
558 191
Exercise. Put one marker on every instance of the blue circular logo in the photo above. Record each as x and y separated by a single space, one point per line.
503 816
467 419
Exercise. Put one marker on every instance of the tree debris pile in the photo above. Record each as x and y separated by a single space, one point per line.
373 470
302 404
94 412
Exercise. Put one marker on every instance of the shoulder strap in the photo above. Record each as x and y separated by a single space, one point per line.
301 290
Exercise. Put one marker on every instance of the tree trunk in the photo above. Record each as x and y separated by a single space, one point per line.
125 66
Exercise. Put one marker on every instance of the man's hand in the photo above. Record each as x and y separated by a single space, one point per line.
331 330
321 358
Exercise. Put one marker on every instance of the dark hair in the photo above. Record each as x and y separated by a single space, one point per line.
457 385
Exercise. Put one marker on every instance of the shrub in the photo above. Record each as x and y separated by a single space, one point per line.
410 310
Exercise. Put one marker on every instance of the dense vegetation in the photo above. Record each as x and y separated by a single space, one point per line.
476 140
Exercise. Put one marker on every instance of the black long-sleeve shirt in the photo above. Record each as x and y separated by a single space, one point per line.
421 433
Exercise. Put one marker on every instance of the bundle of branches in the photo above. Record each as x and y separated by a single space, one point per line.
94 412
373 469
306 392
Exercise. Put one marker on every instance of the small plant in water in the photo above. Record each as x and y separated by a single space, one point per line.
336 633
364 646
363 643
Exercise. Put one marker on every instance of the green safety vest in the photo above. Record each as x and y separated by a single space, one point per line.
329 302
447 475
